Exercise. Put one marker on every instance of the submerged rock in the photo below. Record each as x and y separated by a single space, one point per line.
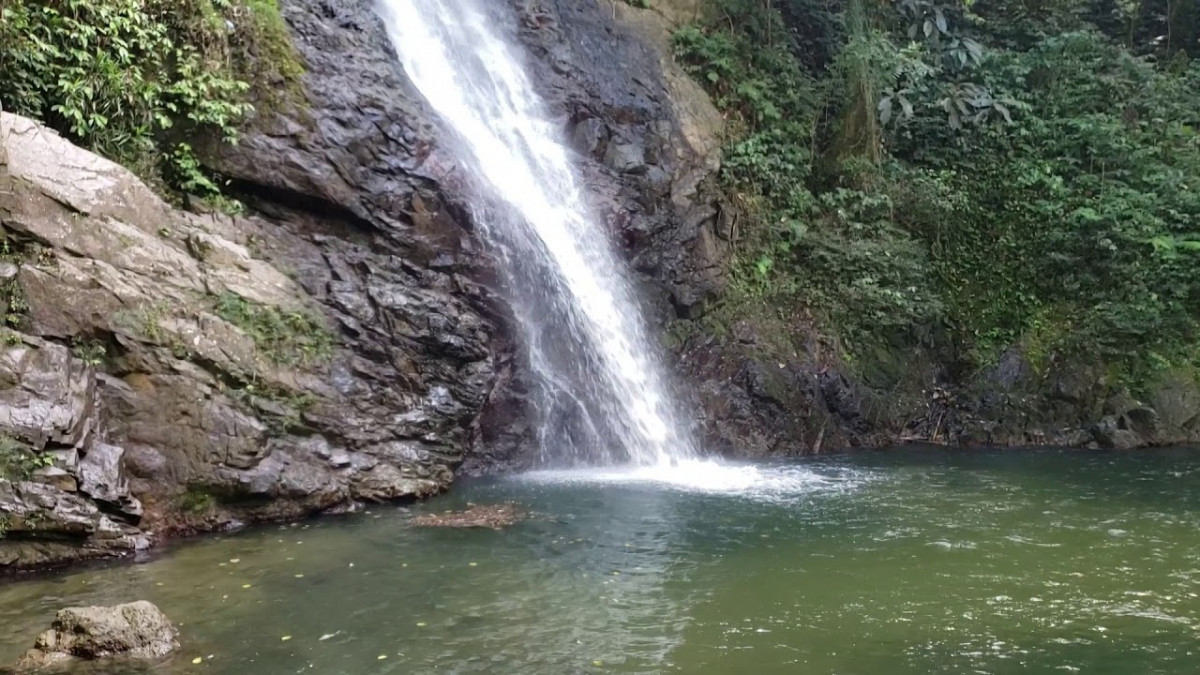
135 630
495 516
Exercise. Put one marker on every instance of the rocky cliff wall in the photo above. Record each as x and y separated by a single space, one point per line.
343 343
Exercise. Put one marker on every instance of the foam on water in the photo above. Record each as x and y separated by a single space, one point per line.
761 482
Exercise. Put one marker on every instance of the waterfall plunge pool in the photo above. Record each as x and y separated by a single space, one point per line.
889 562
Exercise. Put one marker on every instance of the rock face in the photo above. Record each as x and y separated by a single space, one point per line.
171 372
183 372
762 396
136 630
366 148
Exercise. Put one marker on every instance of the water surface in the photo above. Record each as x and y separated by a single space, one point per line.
891 562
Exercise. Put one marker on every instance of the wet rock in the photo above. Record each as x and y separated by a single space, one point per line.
136 630
102 477
197 402
1110 432
43 525
37 509
625 158
588 137
48 396
56 478
1176 400
494 516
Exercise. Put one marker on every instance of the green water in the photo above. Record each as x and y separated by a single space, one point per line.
904 561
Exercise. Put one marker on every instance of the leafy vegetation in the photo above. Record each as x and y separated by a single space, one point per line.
91 351
966 176
18 462
283 337
136 80
197 501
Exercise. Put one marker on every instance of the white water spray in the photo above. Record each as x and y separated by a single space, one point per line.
598 389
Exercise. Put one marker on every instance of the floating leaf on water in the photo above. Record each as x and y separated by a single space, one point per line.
285 638
421 624
381 657
597 662
474 564
299 576
198 659
329 635
245 585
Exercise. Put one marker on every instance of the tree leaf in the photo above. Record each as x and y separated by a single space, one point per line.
885 110
928 28
940 17
974 49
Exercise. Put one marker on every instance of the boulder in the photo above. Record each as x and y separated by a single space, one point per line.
136 630
32 509
101 474
1113 433
46 396
626 158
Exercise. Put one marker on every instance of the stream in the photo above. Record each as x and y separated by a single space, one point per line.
912 560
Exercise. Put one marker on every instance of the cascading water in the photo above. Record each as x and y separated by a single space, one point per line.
599 391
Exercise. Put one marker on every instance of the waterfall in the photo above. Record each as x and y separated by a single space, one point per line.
599 394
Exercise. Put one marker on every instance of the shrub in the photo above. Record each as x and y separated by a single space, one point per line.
136 80
1026 183
283 337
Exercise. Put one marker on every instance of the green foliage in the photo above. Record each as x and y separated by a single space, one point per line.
1027 182
13 303
1083 205
263 54
89 350
134 79
14 306
282 408
832 253
18 462
144 321
197 501
283 337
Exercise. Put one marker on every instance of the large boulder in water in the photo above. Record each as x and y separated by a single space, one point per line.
135 630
